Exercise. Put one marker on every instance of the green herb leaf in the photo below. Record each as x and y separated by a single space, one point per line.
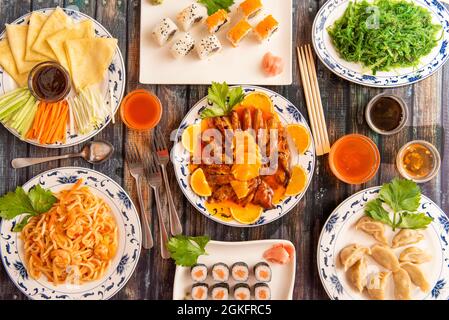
410 220
19 226
374 210
401 195
41 200
215 5
223 99
15 203
186 250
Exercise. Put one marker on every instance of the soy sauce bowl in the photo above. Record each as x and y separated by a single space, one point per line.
49 82
404 110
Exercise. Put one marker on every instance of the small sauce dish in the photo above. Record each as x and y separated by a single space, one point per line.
386 114
49 82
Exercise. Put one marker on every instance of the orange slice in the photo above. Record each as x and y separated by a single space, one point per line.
300 136
241 188
190 137
260 101
297 182
199 183
247 215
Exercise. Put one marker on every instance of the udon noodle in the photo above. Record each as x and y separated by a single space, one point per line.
74 242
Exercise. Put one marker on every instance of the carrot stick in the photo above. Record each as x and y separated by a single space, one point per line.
50 123
42 122
59 123
53 125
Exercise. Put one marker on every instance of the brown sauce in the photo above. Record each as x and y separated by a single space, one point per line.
50 83
386 114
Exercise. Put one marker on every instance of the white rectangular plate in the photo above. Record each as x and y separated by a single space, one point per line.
240 65
250 252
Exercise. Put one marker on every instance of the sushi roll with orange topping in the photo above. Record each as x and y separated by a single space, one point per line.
208 47
266 28
190 16
164 31
250 8
217 20
238 32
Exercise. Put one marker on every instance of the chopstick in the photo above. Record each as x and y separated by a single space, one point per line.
313 99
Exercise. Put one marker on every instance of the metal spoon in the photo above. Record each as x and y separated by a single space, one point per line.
93 152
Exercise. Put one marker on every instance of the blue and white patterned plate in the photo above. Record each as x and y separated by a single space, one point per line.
339 231
122 266
332 10
288 114
115 79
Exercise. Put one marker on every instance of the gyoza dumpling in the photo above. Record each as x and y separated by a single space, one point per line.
352 253
357 274
416 275
402 285
376 285
414 255
406 237
374 228
384 256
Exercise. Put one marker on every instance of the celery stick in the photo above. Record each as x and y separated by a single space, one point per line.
28 121
12 107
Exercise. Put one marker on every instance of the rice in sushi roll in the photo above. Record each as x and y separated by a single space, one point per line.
242 292
266 28
240 271
238 32
220 272
262 291
198 272
164 31
200 291
208 47
190 16
217 20
250 8
220 291
262 272
182 46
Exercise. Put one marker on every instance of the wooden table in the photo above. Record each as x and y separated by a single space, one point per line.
344 105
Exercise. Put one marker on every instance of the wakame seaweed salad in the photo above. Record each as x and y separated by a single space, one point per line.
384 34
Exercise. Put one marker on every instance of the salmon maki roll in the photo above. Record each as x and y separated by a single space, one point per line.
262 291
242 292
250 8
200 291
198 272
220 291
238 32
220 272
240 271
266 28
216 21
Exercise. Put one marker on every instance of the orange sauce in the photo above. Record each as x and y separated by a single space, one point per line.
354 159
141 110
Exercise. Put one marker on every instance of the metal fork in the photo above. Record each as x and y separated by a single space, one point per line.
136 169
163 158
154 179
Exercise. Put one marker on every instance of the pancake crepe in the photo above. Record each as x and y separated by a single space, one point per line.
89 59
17 35
8 63
37 20
81 30
57 21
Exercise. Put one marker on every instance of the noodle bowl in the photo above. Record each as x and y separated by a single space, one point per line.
75 241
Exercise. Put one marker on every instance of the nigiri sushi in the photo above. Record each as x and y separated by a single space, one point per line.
208 47
266 28
182 45
217 20
164 31
190 16
250 8
238 32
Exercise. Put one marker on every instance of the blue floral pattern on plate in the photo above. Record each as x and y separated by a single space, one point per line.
122 266
288 114
115 78
345 215
333 9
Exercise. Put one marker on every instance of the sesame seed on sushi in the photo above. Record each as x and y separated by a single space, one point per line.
262 272
208 47
251 8
182 45
200 291
198 272
220 291
164 31
262 291
265 29
190 16
220 272
242 292
240 271
238 32
216 21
